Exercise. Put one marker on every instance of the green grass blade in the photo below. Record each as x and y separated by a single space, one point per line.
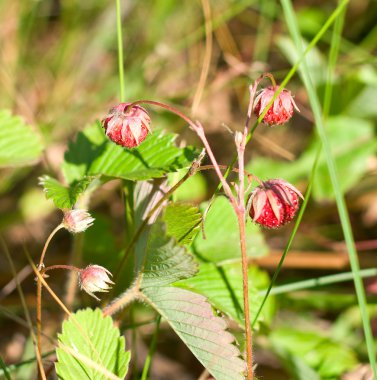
152 349
320 281
120 51
5 369
334 50
333 56
343 214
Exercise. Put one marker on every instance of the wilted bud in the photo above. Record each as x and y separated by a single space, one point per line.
76 221
274 203
95 278
127 126
281 109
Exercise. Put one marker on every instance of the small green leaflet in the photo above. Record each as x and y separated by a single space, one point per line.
62 196
19 144
182 221
91 348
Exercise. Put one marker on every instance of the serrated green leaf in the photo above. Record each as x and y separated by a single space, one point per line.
192 318
62 196
19 144
94 336
222 236
222 285
189 313
165 261
93 154
182 221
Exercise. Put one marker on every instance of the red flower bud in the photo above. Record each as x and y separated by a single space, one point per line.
274 203
281 109
127 126
94 278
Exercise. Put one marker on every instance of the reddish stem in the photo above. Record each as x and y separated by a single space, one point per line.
39 289
61 266
245 286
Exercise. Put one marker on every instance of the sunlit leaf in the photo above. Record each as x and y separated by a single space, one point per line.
93 336
19 144
182 221
62 196
222 285
222 236
165 261
93 154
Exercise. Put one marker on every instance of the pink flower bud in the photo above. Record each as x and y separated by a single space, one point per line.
127 127
76 221
281 109
274 203
95 278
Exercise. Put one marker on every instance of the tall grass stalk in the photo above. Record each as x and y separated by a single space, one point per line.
320 281
334 50
120 51
342 209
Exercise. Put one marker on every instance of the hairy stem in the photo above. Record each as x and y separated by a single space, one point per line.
39 288
43 254
245 287
125 299
62 266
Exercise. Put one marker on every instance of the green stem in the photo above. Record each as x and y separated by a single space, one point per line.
320 281
120 51
152 349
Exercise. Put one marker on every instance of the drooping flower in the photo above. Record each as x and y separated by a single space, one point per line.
95 278
274 203
281 109
76 221
127 126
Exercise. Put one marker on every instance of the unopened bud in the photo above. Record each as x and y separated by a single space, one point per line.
274 203
281 109
95 278
76 221
127 126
